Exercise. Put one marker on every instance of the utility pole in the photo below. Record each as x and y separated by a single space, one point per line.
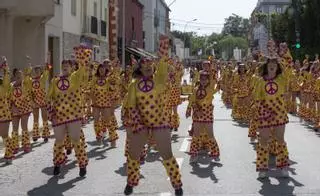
123 34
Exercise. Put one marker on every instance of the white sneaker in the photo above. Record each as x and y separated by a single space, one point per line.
193 159
285 173
262 175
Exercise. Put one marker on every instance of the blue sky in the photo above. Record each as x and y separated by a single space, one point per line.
210 14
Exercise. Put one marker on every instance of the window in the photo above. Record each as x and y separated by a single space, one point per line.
74 7
132 24
95 8
279 10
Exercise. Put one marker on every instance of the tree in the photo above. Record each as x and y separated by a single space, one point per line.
184 36
229 43
236 26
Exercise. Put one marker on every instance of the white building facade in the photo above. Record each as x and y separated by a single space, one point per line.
155 23
22 30
47 30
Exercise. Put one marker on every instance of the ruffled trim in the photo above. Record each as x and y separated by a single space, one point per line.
273 125
203 121
5 121
19 115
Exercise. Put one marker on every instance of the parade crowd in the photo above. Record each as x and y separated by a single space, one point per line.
261 91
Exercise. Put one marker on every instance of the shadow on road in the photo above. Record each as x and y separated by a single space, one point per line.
53 188
175 138
64 169
205 172
283 188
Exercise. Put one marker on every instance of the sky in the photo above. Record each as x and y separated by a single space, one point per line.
210 14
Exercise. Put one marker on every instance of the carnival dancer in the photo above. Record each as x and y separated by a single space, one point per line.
5 117
272 115
103 102
313 101
226 82
294 87
253 126
21 108
306 75
145 104
201 107
39 93
241 88
64 98
175 76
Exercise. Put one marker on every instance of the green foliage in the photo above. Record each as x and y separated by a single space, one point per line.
283 28
229 43
184 36
236 26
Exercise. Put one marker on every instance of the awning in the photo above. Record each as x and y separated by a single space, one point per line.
140 52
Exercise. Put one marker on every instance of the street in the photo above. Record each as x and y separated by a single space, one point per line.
31 174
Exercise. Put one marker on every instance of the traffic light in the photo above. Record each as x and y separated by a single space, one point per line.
298 44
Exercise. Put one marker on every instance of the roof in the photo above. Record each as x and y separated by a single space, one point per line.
165 5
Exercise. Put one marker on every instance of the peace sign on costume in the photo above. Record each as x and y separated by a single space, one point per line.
146 85
271 88
17 92
101 82
63 84
201 93
36 84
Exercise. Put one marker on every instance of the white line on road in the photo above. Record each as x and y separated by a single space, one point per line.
165 194
179 161
184 145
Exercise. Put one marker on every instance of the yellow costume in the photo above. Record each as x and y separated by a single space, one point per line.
104 96
21 101
38 95
5 112
145 103
201 107
272 112
65 98
241 91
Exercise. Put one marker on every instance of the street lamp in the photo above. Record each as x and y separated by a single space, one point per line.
184 41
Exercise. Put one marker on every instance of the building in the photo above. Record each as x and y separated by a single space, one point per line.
178 48
23 30
47 30
155 23
133 23
85 23
260 31
272 6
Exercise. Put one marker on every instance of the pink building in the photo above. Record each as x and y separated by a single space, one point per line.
133 23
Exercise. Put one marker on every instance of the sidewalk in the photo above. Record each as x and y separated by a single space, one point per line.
30 127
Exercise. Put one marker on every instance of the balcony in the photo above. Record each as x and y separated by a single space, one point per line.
91 27
29 7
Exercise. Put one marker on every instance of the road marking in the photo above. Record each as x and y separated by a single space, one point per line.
184 145
179 161
165 194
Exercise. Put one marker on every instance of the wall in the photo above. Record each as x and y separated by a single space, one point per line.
133 9
54 28
148 24
71 24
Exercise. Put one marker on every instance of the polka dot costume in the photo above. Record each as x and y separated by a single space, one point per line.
104 93
65 98
39 90
21 98
269 96
5 92
146 101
